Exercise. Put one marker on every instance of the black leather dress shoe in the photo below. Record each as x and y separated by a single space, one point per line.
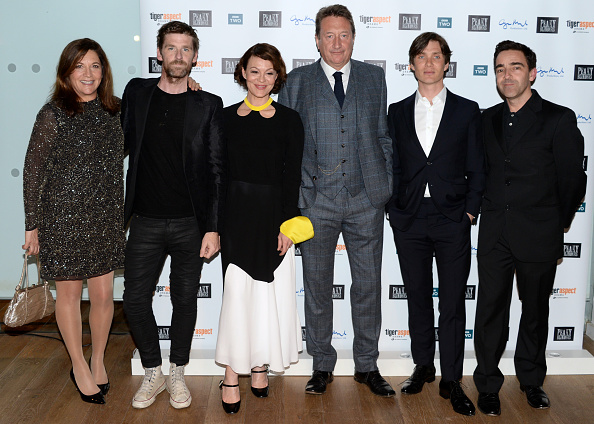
453 391
318 382
376 383
537 398
422 374
489 404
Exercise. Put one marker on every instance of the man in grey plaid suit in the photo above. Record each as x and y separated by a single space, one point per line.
346 182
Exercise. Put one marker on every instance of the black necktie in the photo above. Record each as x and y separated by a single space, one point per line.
338 88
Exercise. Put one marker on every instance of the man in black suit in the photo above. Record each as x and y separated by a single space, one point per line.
174 191
439 178
535 181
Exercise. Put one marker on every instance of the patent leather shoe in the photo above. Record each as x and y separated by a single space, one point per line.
229 408
318 382
95 398
489 404
422 374
452 390
378 385
103 387
536 396
263 392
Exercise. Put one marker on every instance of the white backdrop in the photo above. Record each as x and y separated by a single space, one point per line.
561 34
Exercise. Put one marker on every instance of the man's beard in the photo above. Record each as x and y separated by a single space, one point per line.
175 72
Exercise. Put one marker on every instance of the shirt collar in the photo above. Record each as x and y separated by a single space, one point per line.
441 97
329 70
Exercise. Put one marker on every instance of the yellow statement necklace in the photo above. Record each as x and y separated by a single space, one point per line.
258 108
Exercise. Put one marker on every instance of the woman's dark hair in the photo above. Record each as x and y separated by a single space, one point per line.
267 52
63 93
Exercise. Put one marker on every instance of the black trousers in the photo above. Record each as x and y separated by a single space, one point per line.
535 281
433 233
149 242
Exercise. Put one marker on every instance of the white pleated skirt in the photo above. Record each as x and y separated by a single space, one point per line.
259 324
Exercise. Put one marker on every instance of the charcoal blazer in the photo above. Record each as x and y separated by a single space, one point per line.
534 187
203 149
454 169
302 92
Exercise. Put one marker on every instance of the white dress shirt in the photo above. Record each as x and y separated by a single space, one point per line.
427 119
329 71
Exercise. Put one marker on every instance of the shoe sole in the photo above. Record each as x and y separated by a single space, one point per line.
490 414
146 403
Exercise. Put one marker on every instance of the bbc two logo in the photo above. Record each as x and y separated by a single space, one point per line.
468 334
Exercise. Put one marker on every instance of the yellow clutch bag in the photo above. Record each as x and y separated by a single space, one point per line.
298 229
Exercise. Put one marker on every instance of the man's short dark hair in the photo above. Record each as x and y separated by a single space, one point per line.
419 44
337 10
177 27
266 52
512 45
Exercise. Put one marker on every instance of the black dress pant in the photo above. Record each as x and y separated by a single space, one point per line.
535 281
149 242
433 233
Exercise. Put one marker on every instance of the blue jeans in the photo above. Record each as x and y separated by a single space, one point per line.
149 242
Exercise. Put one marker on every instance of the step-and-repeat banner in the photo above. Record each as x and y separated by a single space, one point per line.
561 34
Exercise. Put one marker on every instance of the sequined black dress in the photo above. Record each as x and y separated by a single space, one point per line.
73 191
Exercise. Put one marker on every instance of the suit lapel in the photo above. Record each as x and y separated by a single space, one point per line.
143 102
193 120
409 118
447 118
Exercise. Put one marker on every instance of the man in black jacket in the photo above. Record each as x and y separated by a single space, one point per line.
439 178
174 192
535 182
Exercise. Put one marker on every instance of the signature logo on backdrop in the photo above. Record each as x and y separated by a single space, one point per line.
302 21
581 119
513 24
409 21
479 23
547 25
339 335
551 72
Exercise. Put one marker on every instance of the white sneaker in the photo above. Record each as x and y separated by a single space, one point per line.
179 395
152 385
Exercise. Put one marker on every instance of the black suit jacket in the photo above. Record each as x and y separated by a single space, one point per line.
534 188
204 154
454 170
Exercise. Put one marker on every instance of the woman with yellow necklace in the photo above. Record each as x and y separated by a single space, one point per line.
259 327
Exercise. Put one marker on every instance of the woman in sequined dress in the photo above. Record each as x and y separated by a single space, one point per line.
73 194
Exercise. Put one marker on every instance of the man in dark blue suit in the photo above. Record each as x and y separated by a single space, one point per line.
439 177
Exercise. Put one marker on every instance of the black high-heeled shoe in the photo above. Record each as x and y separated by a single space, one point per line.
229 408
263 392
103 387
96 398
